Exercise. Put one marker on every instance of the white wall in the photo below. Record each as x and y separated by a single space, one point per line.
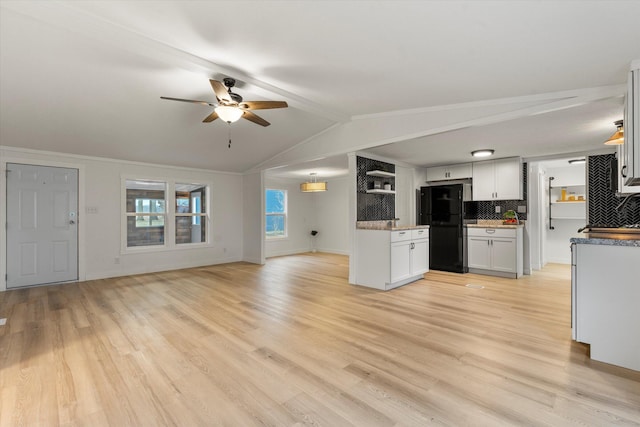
100 253
331 212
252 195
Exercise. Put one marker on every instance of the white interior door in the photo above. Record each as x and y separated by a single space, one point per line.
42 229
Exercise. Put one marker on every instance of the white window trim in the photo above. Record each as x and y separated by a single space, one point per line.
285 214
170 215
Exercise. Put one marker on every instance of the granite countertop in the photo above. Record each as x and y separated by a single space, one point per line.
386 225
493 223
607 242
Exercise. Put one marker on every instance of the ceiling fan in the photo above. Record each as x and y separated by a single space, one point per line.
230 106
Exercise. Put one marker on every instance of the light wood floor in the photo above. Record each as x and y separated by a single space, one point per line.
291 343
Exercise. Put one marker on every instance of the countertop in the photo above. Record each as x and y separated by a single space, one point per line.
493 223
494 226
384 225
607 242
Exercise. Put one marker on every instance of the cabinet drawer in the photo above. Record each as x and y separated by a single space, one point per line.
491 232
400 235
421 233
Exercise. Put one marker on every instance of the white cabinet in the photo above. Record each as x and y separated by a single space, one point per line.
388 259
498 179
441 173
629 169
604 302
495 251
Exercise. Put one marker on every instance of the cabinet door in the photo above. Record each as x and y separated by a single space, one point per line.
508 179
420 256
483 181
437 173
461 171
479 253
400 261
503 255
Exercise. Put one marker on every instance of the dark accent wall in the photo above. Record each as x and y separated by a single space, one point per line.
374 207
487 210
601 201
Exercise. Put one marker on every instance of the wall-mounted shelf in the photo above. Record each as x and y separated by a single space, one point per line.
567 202
381 174
581 218
381 191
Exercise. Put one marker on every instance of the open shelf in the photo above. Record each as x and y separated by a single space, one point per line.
580 218
381 174
381 191
567 202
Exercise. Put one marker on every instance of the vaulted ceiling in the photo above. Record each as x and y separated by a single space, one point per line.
426 82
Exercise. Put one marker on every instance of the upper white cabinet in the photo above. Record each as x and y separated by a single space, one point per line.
441 173
498 179
630 160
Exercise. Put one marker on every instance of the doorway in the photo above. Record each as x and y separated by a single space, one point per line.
42 225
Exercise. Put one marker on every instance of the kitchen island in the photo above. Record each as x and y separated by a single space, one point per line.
605 298
388 256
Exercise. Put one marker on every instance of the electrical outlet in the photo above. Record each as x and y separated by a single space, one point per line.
522 208
498 209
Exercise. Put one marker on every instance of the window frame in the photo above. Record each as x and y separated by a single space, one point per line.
285 215
170 215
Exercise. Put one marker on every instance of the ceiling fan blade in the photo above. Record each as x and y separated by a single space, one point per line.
211 117
188 100
263 105
255 118
221 91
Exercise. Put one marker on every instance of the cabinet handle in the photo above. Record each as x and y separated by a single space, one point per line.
490 230
401 233
623 171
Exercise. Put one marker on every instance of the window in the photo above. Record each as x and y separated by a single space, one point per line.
154 208
275 213
190 213
146 212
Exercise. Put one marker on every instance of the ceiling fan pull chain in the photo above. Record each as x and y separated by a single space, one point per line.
229 128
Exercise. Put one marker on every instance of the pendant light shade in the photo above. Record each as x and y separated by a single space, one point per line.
618 137
228 114
313 186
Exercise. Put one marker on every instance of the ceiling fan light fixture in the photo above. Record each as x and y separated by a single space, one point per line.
313 186
229 114
485 152
618 137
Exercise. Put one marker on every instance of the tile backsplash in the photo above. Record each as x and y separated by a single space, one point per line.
601 201
374 207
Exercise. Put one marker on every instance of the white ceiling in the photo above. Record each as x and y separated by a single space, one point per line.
86 77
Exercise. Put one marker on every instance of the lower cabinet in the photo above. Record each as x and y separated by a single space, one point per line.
388 259
604 302
495 251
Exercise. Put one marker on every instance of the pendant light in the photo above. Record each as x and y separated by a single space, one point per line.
618 137
313 186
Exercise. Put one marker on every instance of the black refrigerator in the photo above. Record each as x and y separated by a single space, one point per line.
442 207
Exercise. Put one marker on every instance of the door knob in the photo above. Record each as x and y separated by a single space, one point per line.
72 222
